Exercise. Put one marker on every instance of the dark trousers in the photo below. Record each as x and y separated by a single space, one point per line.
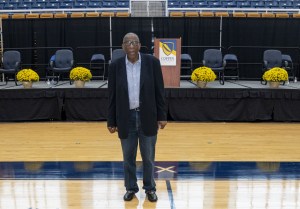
147 149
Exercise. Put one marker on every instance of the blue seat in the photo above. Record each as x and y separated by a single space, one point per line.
116 54
11 65
4 1
123 4
15 1
186 67
271 58
24 6
214 4
287 63
66 5
80 5
200 4
97 65
10 6
38 6
28 1
296 5
69 1
186 4
231 67
42 1
257 4
271 4
54 1
213 58
52 6
109 4
286 5
63 63
94 4
173 4
229 4
243 4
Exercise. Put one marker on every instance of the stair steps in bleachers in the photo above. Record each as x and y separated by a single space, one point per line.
148 8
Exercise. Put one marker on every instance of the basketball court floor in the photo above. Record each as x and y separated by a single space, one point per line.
64 165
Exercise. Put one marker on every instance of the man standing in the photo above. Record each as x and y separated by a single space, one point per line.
136 111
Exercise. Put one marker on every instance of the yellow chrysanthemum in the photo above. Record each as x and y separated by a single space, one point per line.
275 74
203 74
27 75
80 73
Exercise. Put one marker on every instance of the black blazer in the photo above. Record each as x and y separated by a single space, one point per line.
152 102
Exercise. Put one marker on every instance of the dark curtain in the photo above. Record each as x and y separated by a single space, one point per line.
50 35
183 104
233 105
30 105
249 37
84 32
245 37
84 36
18 35
86 104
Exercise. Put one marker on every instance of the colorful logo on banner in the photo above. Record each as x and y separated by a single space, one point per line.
167 52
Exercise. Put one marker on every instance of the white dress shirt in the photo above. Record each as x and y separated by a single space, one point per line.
133 71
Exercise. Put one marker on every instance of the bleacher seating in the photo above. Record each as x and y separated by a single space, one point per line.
61 4
21 4
189 8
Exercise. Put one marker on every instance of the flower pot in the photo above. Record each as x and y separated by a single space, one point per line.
274 84
201 84
27 84
79 84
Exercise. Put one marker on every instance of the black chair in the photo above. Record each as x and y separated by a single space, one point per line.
62 64
117 53
232 66
11 65
213 59
271 58
97 63
288 65
186 66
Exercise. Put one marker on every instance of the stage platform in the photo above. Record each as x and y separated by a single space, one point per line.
234 101
229 84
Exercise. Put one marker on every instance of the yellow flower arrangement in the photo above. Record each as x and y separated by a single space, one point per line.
276 74
203 74
81 74
27 75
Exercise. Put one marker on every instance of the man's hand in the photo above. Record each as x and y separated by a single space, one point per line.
162 124
112 129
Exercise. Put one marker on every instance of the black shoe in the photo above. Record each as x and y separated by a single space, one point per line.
129 195
152 197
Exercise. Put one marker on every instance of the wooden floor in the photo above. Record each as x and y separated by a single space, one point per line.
178 142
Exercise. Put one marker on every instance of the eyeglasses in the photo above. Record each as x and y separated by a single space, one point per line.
133 43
